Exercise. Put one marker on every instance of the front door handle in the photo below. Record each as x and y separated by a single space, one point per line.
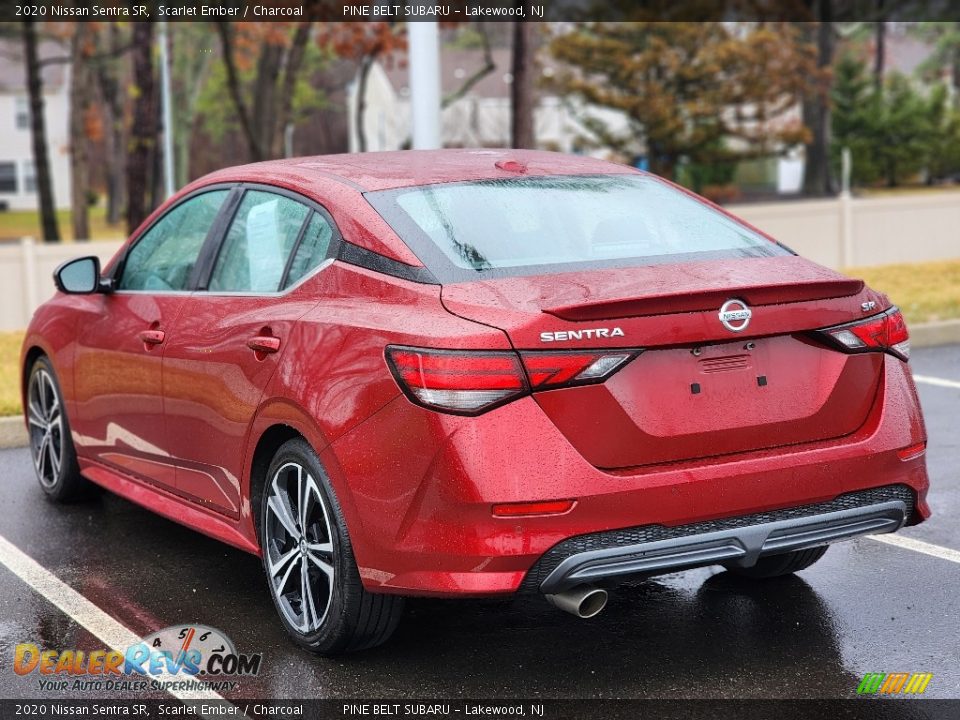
152 337
264 344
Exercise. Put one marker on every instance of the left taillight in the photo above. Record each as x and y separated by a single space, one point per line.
469 382
461 382
886 332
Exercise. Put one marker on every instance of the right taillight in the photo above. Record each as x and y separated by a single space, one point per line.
470 382
886 332
548 370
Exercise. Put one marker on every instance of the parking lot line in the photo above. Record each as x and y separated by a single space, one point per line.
82 611
939 382
909 543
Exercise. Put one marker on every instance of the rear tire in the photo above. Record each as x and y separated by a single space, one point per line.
773 566
51 447
307 554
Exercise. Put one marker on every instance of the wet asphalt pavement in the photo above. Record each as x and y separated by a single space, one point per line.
865 607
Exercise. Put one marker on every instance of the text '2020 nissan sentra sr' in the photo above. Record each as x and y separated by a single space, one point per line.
473 373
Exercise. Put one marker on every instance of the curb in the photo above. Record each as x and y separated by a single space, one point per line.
944 332
13 433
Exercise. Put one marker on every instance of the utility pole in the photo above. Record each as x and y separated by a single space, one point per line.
846 210
168 176
425 84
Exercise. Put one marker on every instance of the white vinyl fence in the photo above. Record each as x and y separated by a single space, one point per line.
26 274
854 232
838 232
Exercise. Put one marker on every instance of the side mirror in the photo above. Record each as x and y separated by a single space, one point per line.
80 277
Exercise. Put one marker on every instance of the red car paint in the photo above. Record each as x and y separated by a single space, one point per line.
176 426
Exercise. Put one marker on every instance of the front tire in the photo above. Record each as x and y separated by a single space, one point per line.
309 562
51 447
773 566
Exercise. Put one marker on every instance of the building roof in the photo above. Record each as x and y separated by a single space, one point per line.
13 72
905 53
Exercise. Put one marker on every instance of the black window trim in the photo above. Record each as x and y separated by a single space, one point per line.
199 280
285 276
211 254
371 260
116 273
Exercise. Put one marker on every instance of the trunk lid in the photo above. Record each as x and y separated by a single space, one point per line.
698 389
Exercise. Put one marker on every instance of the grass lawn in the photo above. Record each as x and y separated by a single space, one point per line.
874 192
9 372
15 224
924 291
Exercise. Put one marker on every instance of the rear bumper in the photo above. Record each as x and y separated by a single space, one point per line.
738 541
417 489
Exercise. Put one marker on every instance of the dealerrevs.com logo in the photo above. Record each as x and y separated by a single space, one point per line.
894 683
180 656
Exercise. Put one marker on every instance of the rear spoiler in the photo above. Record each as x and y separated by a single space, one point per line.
775 294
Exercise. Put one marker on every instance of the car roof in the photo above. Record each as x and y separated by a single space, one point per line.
372 171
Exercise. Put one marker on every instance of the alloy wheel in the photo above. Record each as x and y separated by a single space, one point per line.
45 417
299 548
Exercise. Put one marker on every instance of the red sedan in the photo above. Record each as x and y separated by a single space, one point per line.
470 373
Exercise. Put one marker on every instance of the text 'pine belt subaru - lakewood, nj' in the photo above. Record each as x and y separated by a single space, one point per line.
472 373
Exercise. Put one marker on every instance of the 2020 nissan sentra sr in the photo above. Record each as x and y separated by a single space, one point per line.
469 373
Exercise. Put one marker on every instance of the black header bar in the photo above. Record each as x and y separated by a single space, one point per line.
486 10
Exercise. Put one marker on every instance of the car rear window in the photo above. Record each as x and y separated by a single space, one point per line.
532 225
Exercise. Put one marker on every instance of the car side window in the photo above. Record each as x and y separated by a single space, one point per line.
261 237
164 256
312 249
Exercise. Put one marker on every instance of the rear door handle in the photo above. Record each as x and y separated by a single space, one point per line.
265 344
152 337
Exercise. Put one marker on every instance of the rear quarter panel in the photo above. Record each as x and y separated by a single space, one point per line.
334 377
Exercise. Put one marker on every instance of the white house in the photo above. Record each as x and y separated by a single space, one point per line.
481 118
17 177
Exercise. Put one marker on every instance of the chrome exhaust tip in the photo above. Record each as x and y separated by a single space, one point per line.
584 601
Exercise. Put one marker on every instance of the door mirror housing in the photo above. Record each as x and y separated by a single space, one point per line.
81 277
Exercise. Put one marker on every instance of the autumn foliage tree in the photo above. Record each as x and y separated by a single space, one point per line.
702 91
271 55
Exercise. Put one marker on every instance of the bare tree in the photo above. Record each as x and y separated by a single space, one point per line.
143 133
880 47
191 65
294 61
261 121
38 129
817 177
109 82
488 67
79 145
236 93
521 90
